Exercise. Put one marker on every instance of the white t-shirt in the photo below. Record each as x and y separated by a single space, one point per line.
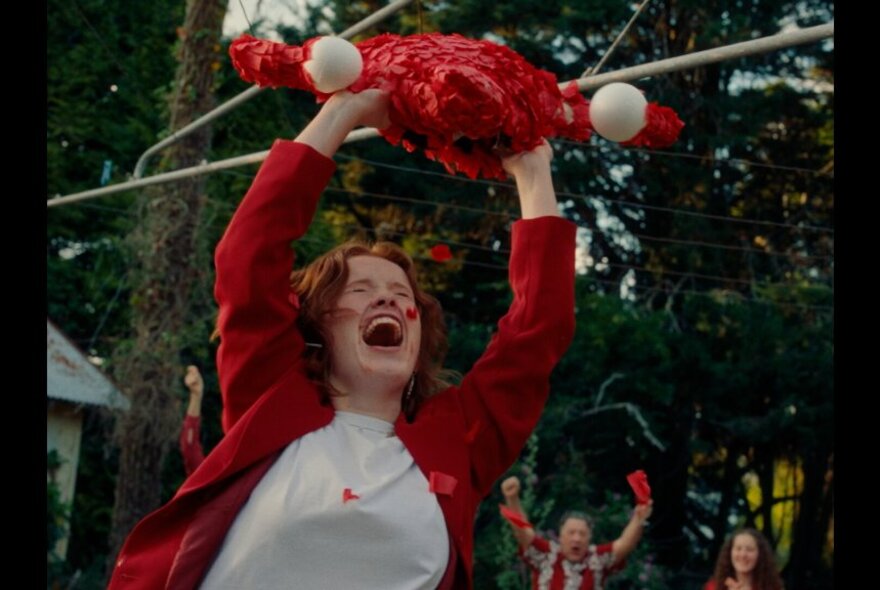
344 507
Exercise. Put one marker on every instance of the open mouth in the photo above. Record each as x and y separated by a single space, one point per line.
383 331
576 552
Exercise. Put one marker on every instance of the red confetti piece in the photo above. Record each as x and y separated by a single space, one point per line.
412 313
441 253
347 495
440 483
638 481
514 518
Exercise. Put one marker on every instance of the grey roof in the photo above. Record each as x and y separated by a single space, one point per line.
71 377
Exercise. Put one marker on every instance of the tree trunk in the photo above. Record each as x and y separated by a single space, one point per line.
765 467
671 494
730 488
165 267
811 528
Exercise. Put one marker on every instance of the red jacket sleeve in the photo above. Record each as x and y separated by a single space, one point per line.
258 335
191 444
503 395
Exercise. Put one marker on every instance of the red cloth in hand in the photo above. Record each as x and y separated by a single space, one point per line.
514 518
638 481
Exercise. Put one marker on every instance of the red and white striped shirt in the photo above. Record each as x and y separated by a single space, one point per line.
551 571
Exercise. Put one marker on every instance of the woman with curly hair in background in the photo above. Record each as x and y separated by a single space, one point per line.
745 562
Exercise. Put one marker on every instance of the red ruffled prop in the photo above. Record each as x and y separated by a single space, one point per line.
661 129
267 63
638 481
461 101
514 518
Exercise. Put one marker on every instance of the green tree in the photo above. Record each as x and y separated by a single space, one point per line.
167 263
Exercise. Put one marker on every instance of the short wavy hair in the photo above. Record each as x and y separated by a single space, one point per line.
577 515
765 575
320 284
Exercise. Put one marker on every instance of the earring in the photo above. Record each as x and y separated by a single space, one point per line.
409 388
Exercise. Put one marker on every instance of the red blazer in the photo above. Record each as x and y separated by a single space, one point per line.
462 439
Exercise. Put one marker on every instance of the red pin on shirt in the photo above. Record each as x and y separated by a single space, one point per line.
638 481
514 518
347 495
441 253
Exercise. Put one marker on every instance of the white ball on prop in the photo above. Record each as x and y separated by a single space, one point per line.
334 64
617 111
